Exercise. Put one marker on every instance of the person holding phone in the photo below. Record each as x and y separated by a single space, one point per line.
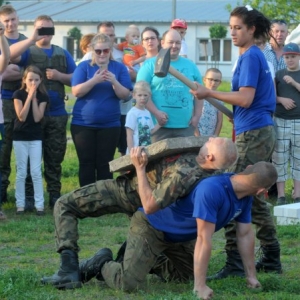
57 66
99 84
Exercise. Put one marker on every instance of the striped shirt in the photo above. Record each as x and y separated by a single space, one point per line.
270 56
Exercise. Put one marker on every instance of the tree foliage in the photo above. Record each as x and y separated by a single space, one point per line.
75 33
288 10
217 31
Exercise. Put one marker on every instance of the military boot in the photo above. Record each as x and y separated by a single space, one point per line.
91 267
68 276
270 259
233 267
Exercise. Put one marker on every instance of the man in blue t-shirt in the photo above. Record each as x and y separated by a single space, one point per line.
175 243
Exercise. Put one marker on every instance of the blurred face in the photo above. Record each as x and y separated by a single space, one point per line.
292 61
32 79
181 31
241 35
10 22
46 41
133 37
150 41
279 32
141 96
173 41
109 31
101 52
212 80
210 147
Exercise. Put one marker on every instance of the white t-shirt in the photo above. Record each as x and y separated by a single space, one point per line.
140 121
184 48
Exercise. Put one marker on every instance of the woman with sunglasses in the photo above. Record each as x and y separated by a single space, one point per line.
98 84
253 99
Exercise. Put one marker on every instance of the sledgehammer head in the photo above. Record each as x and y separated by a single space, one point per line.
162 64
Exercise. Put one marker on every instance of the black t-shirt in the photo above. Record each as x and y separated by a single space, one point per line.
28 130
287 90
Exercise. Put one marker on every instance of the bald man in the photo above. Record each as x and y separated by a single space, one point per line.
172 105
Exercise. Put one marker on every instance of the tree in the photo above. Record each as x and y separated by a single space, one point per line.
75 35
287 10
217 31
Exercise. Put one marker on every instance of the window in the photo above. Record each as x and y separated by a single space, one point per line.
215 50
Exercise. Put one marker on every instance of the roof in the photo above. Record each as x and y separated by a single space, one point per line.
193 11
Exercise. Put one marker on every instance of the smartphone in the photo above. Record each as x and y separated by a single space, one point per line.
46 31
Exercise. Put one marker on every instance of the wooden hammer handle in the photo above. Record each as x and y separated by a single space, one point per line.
193 86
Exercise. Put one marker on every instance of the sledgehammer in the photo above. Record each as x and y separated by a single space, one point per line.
162 67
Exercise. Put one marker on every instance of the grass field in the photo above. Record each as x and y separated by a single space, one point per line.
27 252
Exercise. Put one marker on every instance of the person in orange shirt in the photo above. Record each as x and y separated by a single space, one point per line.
134 53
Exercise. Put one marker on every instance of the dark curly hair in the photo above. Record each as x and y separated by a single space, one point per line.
252 17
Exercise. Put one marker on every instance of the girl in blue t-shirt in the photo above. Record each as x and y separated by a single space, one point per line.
30 103
253 99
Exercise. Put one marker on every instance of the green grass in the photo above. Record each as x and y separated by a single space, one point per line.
27 252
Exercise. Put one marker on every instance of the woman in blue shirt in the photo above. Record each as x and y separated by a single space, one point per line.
253 99
98 84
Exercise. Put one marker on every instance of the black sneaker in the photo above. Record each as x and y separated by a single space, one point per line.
40 213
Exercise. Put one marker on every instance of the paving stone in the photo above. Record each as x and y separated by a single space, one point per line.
160 149
287 214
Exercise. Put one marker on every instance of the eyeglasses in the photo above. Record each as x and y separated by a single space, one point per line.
99 51
213 80
150 38
278 21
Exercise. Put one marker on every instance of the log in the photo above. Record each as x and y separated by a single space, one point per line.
161 149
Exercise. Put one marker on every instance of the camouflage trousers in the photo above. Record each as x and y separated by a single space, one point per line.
144 247
253 146
94 200
54 149
9 119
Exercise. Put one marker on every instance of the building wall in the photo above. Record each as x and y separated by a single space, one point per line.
194 33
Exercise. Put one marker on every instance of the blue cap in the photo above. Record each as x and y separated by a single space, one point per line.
291 48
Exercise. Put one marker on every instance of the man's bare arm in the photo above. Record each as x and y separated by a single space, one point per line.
12 73
202 253
245 243
139 160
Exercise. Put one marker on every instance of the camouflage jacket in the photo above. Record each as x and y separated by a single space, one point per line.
172 177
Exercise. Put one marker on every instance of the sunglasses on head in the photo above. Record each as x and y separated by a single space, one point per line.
278 21
99 51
